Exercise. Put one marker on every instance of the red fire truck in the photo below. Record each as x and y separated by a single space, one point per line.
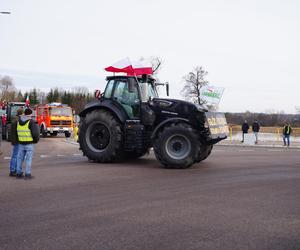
54 118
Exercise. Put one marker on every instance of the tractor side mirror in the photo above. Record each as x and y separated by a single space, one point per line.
131 85
167 88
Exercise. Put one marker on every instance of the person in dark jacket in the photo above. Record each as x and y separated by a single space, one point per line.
287 130
245 128
28 134
15 143
255 129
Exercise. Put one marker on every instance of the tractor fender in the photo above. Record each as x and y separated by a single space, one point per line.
106 105
168 121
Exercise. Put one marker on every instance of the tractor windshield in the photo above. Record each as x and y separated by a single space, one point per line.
152 91
14 109
148 91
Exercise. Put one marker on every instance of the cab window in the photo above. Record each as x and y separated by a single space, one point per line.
109 89
128 99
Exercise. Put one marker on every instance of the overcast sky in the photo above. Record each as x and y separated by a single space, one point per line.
251 48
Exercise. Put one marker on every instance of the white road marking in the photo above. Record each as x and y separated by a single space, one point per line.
44 156
275 150
77 154
218 150
7 158
60 155
246 150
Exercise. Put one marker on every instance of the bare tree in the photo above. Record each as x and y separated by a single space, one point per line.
156 64
193 82
7 88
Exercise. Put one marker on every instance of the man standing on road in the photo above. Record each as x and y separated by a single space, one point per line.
28 134
245 128
255 129
287 130
15 143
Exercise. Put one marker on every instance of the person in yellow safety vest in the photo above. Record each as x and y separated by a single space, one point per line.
287 130
14 143
28 134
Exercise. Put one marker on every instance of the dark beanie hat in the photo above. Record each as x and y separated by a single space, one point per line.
28 111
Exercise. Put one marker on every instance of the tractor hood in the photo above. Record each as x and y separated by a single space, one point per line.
165 108
175 105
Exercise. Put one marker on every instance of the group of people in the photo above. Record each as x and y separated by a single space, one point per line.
255 129
286 131
24 134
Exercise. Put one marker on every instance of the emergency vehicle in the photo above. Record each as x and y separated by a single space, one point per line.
54 118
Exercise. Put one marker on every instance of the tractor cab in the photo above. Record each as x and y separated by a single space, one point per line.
130 93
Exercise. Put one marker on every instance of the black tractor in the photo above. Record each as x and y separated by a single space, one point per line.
11 113
129 118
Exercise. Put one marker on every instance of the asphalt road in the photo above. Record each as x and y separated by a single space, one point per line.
239 198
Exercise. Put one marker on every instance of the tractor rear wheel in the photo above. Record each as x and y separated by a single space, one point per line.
100 136
174 146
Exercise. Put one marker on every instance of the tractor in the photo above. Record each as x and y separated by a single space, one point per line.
11 112
129 119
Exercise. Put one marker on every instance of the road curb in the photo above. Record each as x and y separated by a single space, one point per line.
258 146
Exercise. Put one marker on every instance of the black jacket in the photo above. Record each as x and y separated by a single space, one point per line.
255 127
287 130
245 127
34 128
14 135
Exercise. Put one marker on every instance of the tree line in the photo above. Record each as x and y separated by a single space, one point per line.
264 119
75 98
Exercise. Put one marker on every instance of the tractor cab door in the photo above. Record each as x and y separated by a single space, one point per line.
126 93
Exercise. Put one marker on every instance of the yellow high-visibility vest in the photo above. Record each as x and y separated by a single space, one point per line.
24 133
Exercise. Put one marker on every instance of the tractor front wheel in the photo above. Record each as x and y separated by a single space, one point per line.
174 146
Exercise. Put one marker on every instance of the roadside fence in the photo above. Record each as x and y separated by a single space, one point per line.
269 133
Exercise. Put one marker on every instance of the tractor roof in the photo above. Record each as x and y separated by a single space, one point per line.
127 77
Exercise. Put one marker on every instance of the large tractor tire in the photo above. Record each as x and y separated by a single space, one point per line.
8 132
175 147
100 136
4 133
203 152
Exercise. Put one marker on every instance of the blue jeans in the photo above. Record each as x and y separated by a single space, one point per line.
25 153
286 138
14 157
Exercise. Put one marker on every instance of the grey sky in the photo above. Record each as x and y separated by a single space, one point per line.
249 47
